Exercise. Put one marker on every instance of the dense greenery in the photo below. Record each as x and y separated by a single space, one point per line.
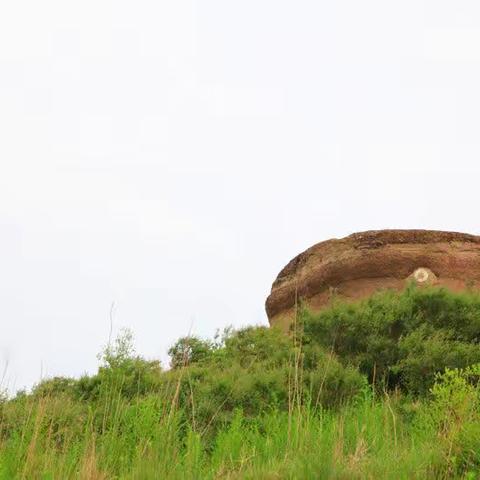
387 388
401 340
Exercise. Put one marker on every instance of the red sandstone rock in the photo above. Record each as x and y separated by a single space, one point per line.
355 267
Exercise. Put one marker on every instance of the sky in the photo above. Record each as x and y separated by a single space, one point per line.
170 157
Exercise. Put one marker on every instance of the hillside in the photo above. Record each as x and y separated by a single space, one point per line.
385 388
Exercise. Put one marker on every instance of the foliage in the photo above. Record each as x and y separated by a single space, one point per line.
258 404
454 413
189 350
401 339
254 369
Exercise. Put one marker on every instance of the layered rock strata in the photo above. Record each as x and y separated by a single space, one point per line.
354 267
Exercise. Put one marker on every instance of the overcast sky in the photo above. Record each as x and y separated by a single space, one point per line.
173 156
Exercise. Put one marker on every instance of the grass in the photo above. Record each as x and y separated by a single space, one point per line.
256 404
54 438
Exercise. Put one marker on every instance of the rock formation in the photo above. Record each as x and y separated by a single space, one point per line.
354 267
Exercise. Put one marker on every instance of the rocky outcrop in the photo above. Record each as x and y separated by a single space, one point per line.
354 267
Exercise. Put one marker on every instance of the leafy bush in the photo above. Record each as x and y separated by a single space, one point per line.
256 369
54 386
189 350
454 414
401 339
122 372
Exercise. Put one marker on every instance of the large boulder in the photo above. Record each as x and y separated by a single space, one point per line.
354 267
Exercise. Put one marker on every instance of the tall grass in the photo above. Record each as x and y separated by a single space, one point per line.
56 438
260 405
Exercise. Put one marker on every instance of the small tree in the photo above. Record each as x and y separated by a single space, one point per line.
121 371
120 352
188 350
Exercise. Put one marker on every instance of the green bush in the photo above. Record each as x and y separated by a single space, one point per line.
453 414
121 373
256 369
401 339
189 350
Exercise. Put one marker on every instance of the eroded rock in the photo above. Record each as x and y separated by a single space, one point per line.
356 266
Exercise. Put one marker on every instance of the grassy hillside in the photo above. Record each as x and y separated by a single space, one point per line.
388 388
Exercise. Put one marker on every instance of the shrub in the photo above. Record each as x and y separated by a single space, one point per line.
54 386
121 373
253 345
401 339
257 369
454 414
189 350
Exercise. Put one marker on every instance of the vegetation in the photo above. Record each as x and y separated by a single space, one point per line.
387 388
402 340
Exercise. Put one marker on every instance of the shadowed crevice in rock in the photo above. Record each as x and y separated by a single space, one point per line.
356 266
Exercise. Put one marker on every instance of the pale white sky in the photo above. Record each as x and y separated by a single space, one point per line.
173 156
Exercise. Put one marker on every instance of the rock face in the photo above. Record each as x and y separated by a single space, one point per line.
354 267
